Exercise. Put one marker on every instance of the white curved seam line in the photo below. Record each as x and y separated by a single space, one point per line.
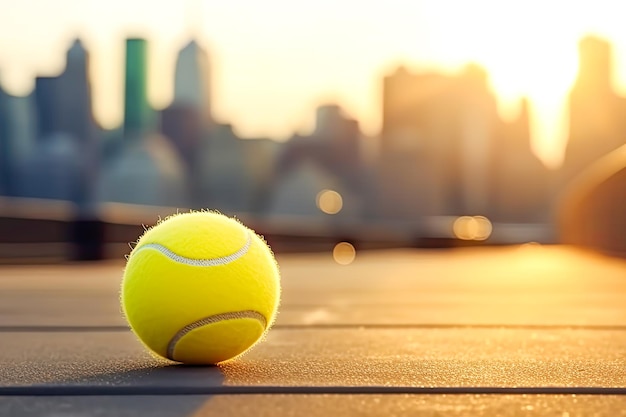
246 314
199 262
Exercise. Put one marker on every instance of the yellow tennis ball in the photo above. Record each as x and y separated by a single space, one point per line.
200 288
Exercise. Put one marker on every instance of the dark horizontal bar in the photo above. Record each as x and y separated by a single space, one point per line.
62 329
69 390
454 326
121 328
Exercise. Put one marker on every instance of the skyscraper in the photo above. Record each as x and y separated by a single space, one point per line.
520 184
597 115
64 102
147 170
188 119
75 98
139 118
17 133
63 165
437 134
192 80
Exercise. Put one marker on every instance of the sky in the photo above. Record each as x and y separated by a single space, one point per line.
274 61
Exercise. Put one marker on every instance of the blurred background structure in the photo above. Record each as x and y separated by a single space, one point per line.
445 168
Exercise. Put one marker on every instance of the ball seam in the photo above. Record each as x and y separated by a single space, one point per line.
197 262
233 315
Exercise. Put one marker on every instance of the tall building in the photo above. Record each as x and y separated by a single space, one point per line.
437 136
188 119
17 135
597 115
478 134
139 117
192 80
64 162
520 183
75 99
64 102
147 170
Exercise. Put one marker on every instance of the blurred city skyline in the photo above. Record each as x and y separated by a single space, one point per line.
305 55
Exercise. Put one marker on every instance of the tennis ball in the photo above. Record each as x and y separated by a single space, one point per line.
200 288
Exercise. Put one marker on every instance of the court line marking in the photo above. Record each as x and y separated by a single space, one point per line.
103 390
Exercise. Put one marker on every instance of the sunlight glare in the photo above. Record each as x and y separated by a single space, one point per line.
530 51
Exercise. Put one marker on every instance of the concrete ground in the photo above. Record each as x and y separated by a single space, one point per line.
516 331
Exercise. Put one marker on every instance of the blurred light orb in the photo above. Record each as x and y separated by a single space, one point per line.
329 201
483 228
463 228
472 228
344 253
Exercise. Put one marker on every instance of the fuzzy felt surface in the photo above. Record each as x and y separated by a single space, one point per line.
160 295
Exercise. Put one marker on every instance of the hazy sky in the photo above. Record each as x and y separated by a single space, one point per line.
275 60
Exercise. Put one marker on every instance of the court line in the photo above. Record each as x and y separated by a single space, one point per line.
68 390
329 326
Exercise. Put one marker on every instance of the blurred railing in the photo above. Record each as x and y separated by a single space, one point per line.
39 230
592 211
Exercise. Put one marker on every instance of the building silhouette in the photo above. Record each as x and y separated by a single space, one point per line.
63 164
597 115
64 102
192 81
188 120
436 142
521 183
443 150
329 158
139 117
147 169
17 138
446 152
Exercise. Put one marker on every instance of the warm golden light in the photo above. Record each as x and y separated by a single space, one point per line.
483 228
472 228
329 201
540 64
344 253
527 47
462 228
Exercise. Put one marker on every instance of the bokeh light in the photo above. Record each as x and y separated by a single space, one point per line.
463 228
344 253
483 228
472 228
329 201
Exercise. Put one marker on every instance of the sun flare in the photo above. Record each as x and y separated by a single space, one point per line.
528 52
